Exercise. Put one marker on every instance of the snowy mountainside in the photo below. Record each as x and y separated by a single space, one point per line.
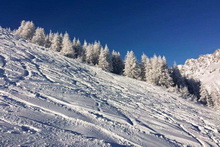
49 100
206 68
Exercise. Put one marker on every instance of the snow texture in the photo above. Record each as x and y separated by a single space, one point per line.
47 99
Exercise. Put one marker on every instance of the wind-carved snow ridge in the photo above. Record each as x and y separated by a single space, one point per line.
50 100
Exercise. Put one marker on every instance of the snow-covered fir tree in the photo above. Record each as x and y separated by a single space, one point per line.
144 66
204 95
48 39
165 79
153 77
67 48
117 63
78 49
105 59
92 53
132 68
96 51
178 79
47 42
39 37
56 43
20 29
26 30
89 53
215 95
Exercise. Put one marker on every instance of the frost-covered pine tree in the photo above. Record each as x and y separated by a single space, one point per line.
67 48
178 79
92 53
89 53
48 39
26 30
78 49
144 66
131 69
39 37
117 63
96 51
105 59
20 29
152 77
215 95
164 75
47 42
56 43
204 96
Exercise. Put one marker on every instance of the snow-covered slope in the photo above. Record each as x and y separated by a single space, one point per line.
206 68
50 100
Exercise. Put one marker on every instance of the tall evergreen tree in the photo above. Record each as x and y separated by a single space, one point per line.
96 51
117 63
178 79
67 48
39 37
89 53
105 59
164 75
131 69
144 66
215 95
92 53
26 30
204 95
153 74
78 49
56 43
49 39
20 29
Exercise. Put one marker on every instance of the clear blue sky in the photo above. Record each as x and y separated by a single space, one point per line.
177 29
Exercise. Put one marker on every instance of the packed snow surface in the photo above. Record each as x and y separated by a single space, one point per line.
49 100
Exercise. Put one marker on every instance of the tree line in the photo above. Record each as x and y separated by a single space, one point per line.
153 70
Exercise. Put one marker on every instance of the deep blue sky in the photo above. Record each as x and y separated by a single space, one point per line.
178 29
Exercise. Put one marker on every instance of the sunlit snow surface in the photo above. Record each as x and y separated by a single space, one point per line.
49 100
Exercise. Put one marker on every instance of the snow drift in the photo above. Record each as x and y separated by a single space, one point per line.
47 99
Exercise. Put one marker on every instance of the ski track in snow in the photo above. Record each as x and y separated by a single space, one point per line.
50 100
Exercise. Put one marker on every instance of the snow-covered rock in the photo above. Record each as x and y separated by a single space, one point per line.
206 69
47 99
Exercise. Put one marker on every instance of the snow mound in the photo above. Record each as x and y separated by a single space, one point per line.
49 100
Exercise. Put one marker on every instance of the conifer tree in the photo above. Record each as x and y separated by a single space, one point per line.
105 59
215 95
131 69
96 51
78 49
204 95
178 80
117 63
92 53
49 39
26 30
144 66
56 43
89 53
67 48
20 29
164 75
152 77
39 37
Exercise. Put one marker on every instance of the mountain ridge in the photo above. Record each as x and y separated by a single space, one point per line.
206 68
